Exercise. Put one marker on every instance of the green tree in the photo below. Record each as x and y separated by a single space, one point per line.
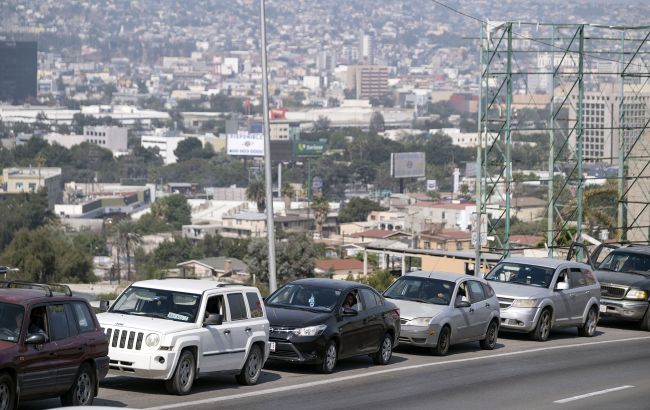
172 210
296 258
287 194
380 279
126 239
191 148
322 123
321 207
358 209
376 123
256 191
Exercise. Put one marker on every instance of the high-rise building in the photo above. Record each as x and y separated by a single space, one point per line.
18 69
366 49
368 80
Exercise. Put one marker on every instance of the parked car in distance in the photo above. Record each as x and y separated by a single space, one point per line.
624 276
320 321
178 329
440 309
51 345
538 294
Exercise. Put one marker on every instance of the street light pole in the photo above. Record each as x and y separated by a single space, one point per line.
270 226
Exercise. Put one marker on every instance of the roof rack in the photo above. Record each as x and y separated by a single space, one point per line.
177 277
223 285
47 288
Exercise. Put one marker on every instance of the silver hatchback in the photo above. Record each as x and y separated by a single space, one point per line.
538 294
440 309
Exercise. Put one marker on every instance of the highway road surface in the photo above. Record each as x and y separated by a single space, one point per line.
608 371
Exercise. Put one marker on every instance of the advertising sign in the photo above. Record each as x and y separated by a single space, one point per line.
245 143
309 148
432 185
407 164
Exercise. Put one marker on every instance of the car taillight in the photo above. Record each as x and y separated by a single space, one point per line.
396 311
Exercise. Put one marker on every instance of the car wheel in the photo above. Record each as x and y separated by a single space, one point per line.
8 399
329 361
588 329
444 339
645 322
252 367
490 341
82 391
183 377
385 352
543 328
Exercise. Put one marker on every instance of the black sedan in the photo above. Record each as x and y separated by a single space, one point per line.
320 321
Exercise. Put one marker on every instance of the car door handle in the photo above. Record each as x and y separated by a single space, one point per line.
487 305
226 332
471 310
248 329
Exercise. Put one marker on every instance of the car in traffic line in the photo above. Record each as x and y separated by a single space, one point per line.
320 321
178 329
51 345
538 294
440 309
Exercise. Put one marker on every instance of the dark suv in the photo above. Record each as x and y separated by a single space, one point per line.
624 275
50 345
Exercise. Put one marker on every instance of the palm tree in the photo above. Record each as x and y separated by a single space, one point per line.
256 192
127 238
321 207
287 193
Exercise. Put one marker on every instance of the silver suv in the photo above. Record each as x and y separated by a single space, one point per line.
538 294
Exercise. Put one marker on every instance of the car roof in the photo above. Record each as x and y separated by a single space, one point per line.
328 283
544 262
188 285
448 276
641 250
23 296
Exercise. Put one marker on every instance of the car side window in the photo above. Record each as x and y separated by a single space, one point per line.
83 318
58 322
475 291
254 304
563 276
237 306
588 277
369 299
487 289
216 306
38 322
576 279
462 295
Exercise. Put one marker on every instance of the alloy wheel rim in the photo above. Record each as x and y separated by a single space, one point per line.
253 366
331 356
444 343
185 372
492 333
386 349
546 321
4 396
83 388
592 322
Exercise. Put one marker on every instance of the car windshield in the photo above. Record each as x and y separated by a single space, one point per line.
522 274
427 290
11 319
163 304
626 262
305 297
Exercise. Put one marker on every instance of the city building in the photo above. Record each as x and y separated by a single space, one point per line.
366 49
367 80
30 179
112 138
166 141
18 70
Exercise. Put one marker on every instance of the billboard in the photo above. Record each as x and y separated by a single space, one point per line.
432 185
309 148
407 164
245 143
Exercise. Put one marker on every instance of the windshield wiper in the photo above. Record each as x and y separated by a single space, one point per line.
394 297
124 312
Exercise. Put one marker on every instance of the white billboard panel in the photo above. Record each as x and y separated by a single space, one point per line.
245 143
407 164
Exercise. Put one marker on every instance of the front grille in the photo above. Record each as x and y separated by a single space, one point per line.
505 303
612 291
285 350
124 339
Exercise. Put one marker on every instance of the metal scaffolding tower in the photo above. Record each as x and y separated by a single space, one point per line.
587 88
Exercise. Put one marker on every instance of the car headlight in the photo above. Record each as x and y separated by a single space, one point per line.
636 294
525 303
419 321
152 339
310 331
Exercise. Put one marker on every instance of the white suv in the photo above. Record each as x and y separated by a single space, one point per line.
178 329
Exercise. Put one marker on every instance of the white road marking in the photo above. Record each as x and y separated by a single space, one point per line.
596 393
381 372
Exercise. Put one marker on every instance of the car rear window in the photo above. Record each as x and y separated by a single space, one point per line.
237 306
254 304
83 317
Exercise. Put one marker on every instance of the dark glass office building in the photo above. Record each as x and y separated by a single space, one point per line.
18 68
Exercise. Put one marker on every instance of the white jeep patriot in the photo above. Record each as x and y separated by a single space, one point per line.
177 329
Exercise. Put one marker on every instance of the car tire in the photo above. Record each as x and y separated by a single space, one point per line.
330 358
588 329
183 378
82 391
645 322
490 340
543 327
8 399
444 339
252 369
385 352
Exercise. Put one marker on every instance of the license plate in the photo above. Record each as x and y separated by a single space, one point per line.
603 308
272 346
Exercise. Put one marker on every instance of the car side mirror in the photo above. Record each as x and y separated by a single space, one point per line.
35 339
103 305
561 286
462 304
213 319
346 311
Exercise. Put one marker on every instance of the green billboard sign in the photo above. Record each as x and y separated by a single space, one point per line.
308 148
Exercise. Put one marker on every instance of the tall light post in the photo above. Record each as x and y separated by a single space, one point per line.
270 226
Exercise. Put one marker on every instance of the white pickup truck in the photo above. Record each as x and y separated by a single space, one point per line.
177 329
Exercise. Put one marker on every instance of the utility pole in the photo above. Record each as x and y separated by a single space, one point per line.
270 226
